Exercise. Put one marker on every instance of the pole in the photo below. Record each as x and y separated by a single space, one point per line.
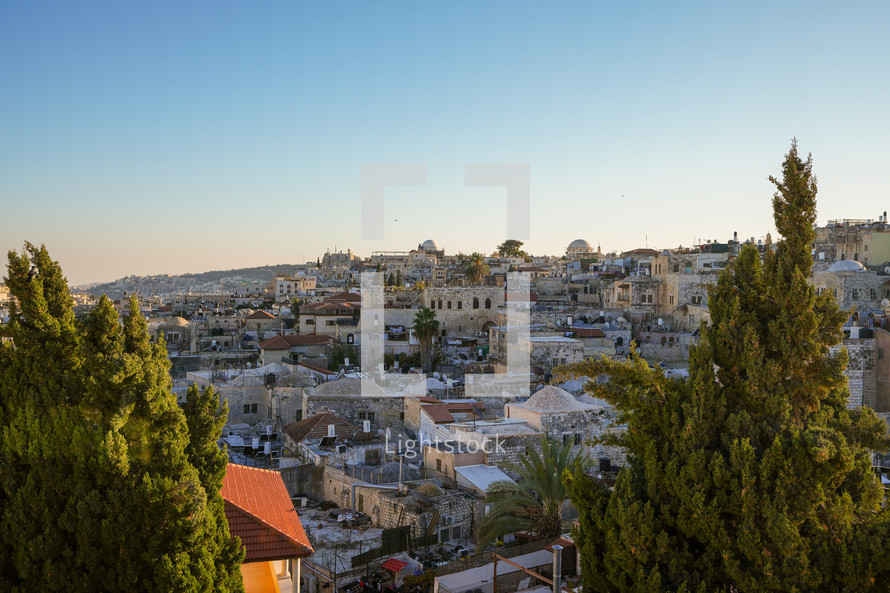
557 568
494 580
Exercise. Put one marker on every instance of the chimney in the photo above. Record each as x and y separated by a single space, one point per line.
557 568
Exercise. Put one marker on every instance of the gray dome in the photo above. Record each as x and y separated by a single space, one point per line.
429 245
846 265
552 398
580 244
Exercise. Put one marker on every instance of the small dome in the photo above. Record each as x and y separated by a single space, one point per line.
429 245
846 265
553 398
580 244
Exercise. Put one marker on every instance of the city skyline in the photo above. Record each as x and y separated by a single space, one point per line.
213 136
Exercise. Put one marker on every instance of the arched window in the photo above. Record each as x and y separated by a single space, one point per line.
475 303
488 303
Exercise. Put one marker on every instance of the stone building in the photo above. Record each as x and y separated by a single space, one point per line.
562 417
853 286
344 398
464 310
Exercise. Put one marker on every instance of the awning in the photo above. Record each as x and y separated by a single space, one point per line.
394 565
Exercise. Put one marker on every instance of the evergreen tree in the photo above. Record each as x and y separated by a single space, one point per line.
751 475
96 489
398 281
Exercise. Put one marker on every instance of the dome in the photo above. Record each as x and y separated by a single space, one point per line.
552 398
846 265
429 245
580 244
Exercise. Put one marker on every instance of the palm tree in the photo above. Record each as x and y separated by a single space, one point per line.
535 503
476 269
426 327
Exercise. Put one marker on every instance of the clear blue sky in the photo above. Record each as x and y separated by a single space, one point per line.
151 137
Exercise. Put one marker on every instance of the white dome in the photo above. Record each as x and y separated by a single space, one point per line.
429 245
846 265
580 244
553 398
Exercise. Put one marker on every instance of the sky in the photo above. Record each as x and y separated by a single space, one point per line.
172 137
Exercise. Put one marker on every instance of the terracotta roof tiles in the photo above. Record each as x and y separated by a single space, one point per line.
260 512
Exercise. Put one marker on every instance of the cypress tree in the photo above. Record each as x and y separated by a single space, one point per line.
97 491
751 475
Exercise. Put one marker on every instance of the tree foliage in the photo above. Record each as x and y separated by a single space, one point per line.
97 490
751 475
426 329
535 504
511 248
476 268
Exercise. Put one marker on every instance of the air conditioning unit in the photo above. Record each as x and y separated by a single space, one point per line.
301 502
449 520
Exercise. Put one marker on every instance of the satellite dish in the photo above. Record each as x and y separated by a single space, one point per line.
885 303
887 269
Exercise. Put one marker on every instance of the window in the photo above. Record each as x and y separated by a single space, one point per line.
443 333
880 353
577 438
366 416
250 408
309 321
566 439
475 303
443 534
671 299
440 303
401 416
372 455
448 304
692 319
438 465
873 294
460 304
488 303
696 300
854 294
455 532
298 415
330 322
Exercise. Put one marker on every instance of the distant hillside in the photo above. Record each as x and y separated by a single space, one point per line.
164 283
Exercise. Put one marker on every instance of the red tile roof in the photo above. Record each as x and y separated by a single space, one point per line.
394 565
562 541
316 427
289 340
260 512
438 412
474 407
260 315
345 296
588 332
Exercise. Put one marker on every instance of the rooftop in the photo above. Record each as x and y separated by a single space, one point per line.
260 512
